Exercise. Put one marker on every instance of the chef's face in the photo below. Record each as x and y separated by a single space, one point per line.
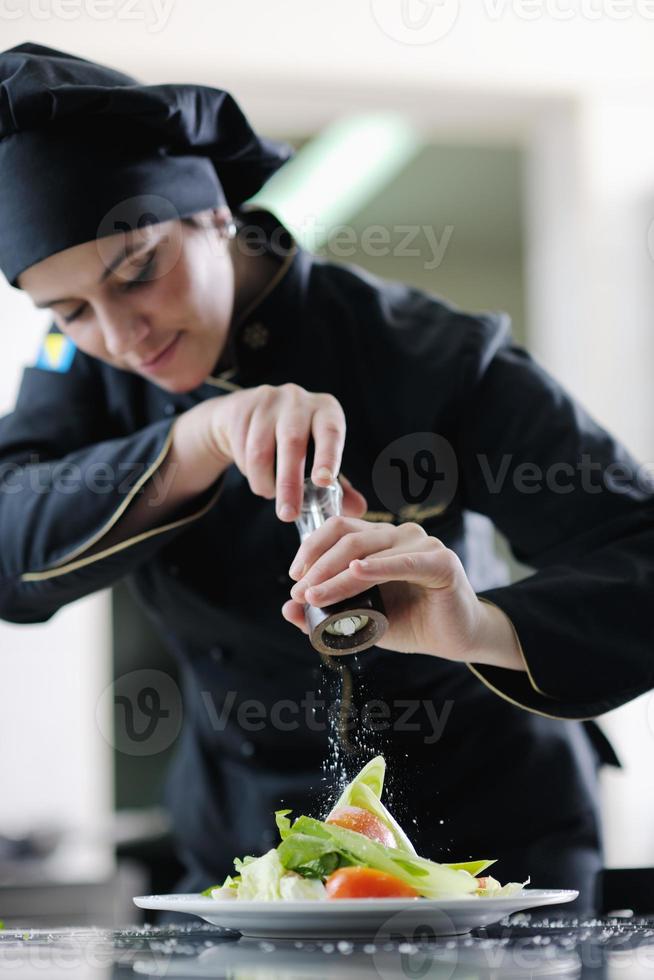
157 301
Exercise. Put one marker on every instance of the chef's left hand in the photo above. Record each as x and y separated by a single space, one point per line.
431 606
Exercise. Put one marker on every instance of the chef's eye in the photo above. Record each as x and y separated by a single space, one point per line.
77 314
145 274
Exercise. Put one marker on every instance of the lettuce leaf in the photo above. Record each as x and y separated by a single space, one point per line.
260 877
494 889
365 791
311 856
283 823
295 888
472 867
309 842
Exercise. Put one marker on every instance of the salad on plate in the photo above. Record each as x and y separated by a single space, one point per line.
358 851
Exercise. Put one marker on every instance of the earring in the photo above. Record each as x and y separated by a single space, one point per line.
230 230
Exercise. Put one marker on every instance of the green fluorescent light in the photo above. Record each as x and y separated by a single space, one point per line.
334 175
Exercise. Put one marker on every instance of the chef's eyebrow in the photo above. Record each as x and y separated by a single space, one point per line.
117 260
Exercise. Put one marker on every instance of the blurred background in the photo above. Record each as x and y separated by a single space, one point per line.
514 141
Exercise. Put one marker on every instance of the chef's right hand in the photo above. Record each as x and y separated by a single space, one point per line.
265 432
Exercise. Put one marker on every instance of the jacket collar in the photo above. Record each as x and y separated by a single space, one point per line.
261 337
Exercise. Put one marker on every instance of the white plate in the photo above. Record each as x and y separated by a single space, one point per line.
355 918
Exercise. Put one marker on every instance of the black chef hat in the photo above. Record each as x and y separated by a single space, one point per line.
86 151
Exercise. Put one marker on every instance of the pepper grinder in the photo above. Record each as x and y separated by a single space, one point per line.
352 624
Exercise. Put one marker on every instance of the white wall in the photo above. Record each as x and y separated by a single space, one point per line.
55 768
519 45
591 270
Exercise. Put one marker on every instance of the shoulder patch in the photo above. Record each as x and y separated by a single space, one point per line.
56 353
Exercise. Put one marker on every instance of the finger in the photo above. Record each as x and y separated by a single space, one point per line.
402 537
433 569
260 454
322 539
328 430
292 435
357 544
354 503
293 612
238 429
341 586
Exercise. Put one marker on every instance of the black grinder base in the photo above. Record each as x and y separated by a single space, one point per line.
368 604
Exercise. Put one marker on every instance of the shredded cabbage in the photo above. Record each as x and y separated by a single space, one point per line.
295 888
260 878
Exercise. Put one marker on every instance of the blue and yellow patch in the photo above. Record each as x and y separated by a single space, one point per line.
56 353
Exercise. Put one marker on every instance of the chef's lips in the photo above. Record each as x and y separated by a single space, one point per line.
352 624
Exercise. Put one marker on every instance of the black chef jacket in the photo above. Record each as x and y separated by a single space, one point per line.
512 773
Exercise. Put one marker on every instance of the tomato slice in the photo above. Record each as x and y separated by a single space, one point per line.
366 883
363 822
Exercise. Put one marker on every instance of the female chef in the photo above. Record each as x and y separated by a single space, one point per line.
196 355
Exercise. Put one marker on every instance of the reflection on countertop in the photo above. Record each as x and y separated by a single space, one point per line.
519 947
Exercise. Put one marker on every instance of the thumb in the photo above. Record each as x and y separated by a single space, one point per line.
354 503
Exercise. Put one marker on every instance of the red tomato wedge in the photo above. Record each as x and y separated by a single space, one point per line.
366 883
363 822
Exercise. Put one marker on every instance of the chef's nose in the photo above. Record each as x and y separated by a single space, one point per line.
122 331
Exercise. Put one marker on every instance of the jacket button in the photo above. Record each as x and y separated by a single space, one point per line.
283 579
217 654
247 749
255 335
173 570
169 409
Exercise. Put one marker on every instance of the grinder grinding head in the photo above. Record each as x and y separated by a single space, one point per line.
347 626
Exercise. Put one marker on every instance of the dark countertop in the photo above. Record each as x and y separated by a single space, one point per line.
519 947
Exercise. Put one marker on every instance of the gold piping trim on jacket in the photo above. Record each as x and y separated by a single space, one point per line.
223 383
409 513
378 515
270 285
52 573
522 652
524 707
119 511
412 512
